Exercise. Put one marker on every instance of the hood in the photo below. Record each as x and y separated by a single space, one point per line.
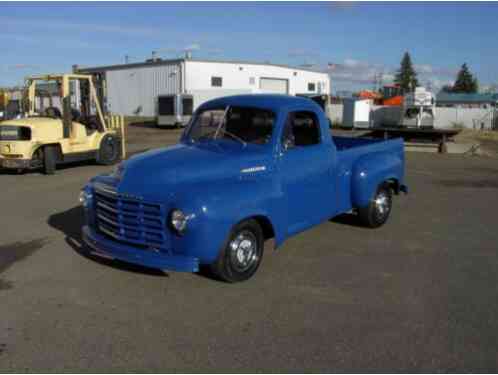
165 172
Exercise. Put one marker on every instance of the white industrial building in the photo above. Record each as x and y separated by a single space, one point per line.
134 89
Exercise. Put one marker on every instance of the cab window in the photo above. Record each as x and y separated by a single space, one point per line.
301 130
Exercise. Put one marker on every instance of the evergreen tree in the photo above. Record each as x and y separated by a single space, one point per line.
447 88
406 77
465 81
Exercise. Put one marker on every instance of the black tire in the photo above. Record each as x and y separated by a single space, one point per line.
378 209
110 150
49 159
237 260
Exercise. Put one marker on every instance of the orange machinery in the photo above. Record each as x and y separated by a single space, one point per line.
390 95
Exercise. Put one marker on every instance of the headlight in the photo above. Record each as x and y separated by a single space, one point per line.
85 197
178 221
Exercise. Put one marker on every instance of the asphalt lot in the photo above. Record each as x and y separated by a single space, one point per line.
419 294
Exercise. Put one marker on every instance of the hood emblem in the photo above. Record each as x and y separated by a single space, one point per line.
259 168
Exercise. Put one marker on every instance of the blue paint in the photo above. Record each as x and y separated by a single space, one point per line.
293 189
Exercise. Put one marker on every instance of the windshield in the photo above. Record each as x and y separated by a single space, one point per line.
238 124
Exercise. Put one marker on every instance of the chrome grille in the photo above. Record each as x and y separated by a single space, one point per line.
130 220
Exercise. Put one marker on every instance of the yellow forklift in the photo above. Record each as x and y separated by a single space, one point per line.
75 130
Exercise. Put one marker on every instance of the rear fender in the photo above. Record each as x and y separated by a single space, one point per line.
371 170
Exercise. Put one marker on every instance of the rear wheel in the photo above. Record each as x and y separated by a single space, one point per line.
110 150
241 255
49 159
378 209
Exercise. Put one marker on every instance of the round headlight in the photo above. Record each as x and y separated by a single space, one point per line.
85 197
178 221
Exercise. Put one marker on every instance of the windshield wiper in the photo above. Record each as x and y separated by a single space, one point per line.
234 136
223 122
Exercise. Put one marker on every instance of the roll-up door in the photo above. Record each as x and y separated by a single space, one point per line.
274 85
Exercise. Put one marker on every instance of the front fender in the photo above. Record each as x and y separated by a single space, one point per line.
215 208
371 170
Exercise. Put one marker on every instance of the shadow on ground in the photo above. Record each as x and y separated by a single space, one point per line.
70 222
146 124
347 219
15 252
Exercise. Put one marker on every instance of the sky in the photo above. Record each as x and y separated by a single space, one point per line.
353 41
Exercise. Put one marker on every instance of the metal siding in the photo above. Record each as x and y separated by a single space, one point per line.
131 89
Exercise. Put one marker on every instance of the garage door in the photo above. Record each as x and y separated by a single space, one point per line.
274 85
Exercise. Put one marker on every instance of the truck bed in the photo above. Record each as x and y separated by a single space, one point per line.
350 150
345 143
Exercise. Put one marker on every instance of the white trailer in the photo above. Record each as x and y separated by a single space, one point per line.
419 109
357 113
135 89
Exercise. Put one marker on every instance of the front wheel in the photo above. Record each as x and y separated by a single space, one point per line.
378 209
241 255
49 159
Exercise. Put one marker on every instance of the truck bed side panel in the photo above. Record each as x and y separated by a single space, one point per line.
363 165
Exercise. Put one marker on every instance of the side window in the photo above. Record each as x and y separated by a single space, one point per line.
301 129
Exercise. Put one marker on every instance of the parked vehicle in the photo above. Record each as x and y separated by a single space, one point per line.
45 137
419 109
175 110
248 168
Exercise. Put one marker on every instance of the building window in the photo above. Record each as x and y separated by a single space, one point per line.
252 80
216 81
311 86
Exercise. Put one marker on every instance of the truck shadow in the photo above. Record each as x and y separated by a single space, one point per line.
347 219
70 222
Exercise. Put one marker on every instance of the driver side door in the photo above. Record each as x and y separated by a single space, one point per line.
305 171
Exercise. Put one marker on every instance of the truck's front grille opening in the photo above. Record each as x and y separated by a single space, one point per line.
126 220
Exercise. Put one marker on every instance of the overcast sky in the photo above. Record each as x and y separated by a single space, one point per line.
352 41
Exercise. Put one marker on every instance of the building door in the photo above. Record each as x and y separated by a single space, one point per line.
274 85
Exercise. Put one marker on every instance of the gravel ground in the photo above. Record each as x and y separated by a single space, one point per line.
419 294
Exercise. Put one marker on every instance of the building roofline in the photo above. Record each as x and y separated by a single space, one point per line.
180 60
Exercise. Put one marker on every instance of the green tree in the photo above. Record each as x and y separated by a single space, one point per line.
447 88
406 76
465 81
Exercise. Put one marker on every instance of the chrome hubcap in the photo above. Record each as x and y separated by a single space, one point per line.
243 251
382 204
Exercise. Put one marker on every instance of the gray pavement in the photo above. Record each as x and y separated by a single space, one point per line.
419 294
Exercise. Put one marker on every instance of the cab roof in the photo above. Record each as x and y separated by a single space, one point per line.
272 102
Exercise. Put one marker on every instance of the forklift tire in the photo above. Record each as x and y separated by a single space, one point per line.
109 152
49 159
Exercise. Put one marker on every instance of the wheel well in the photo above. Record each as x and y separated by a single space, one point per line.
266 226
394 184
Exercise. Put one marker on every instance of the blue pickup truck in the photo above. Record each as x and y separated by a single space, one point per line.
247 168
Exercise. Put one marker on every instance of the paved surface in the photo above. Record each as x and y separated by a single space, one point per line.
419 294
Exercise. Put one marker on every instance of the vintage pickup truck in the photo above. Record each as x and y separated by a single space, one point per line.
247 168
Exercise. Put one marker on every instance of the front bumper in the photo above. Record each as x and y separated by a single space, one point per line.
104 247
